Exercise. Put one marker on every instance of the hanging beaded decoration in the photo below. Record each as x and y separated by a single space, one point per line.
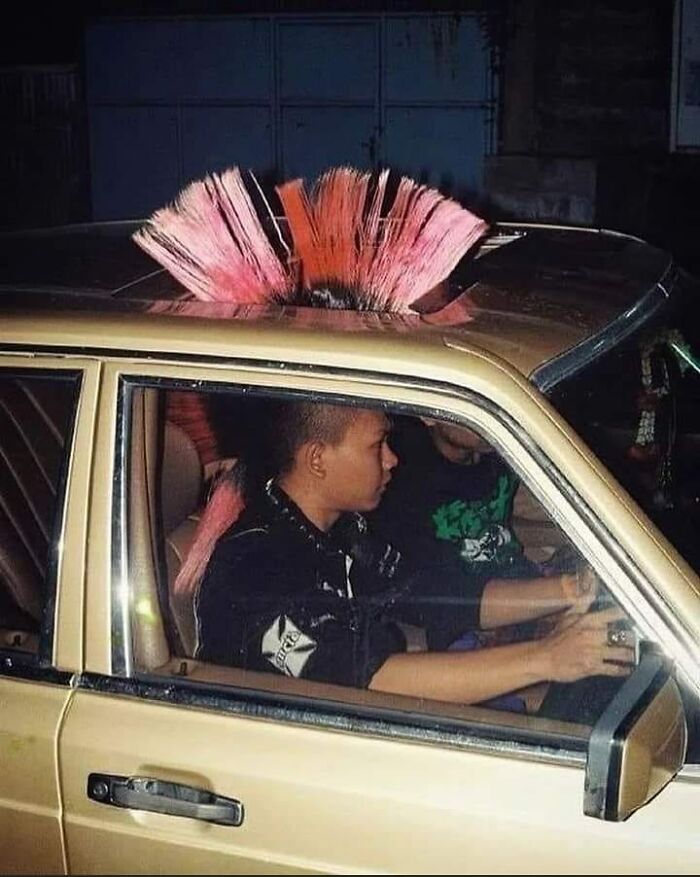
656 385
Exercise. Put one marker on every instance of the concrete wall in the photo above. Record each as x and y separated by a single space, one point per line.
585 115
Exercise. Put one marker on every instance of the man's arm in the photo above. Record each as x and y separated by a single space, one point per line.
534 528
577 648
512 601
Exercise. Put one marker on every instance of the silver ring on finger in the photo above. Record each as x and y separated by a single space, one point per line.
618 637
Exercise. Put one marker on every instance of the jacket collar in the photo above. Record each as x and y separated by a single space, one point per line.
285 510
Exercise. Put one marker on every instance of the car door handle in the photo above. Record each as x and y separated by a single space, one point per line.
162 796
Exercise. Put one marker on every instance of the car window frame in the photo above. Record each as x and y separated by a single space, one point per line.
51 663
517 448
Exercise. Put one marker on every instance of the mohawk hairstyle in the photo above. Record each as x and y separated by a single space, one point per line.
346 245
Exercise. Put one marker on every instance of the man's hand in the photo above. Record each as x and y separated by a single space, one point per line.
580 589
578 647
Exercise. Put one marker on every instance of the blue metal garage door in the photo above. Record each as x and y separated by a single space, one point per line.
171 99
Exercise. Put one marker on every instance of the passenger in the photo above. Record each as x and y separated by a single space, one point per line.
454 495
301 586
449 509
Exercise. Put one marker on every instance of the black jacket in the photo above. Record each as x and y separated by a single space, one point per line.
281 595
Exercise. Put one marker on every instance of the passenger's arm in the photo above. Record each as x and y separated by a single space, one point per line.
511 601
540 537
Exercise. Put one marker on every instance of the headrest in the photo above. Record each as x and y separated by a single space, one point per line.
182 476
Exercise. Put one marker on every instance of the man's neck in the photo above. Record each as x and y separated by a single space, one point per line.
308 502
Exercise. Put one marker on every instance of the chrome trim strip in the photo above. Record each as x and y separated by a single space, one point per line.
534 745
121 651
586 229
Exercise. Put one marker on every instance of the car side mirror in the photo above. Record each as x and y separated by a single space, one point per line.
638 744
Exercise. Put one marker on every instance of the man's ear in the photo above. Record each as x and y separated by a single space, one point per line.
428 421
313 458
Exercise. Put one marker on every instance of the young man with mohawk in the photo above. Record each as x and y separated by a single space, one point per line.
292 579
299 585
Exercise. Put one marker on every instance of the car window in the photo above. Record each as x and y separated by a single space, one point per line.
479 523
36 420
638 407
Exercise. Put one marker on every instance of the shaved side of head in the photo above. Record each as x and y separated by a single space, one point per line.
301 422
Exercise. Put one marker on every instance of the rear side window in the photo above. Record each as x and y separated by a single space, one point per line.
37 413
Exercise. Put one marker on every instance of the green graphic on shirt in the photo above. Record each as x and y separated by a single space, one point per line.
458 519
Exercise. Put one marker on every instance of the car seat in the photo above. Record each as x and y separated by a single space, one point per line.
181 486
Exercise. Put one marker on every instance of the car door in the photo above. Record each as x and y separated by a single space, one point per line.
47 408
173 767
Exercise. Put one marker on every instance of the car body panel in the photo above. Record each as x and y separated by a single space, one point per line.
97 258
31 806
317 801
531 294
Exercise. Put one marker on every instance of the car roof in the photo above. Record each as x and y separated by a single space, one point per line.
544 298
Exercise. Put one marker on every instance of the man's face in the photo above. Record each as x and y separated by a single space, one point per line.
457 443
359 467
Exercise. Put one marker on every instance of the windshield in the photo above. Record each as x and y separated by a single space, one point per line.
638 408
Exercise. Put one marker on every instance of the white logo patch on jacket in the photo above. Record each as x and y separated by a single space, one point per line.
286 647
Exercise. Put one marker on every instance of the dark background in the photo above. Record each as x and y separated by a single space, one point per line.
584 111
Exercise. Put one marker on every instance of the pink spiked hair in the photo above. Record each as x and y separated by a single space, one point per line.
390 262
350 250
213 241
223 509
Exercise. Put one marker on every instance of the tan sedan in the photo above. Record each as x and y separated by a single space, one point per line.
573 354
